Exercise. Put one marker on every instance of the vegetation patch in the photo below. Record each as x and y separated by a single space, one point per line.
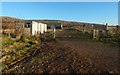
14 49
111 41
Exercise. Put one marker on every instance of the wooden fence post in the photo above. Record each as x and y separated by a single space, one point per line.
54 33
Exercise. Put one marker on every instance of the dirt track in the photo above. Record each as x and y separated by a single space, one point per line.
104 56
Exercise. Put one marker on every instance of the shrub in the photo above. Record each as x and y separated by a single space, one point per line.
28 45
8 42
20 47
22 39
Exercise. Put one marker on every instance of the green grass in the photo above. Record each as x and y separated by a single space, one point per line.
20 47
111 41
7 42
17 48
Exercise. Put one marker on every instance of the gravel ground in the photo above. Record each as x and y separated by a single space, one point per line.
104 56
54 58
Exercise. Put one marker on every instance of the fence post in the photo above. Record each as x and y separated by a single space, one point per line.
54 33
93 33
9 35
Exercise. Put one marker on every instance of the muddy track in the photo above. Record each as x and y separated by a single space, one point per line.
103 55
53 58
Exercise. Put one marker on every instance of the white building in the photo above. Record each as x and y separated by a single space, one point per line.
38 27
35 28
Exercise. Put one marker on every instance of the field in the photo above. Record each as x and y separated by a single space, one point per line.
71 52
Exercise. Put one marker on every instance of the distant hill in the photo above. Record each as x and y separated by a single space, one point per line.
9 22
64 22
5 18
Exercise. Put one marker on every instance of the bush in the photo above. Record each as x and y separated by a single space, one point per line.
29 45
113 41
20 47
8 42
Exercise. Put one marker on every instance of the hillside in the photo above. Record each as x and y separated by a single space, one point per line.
65 23
9 22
